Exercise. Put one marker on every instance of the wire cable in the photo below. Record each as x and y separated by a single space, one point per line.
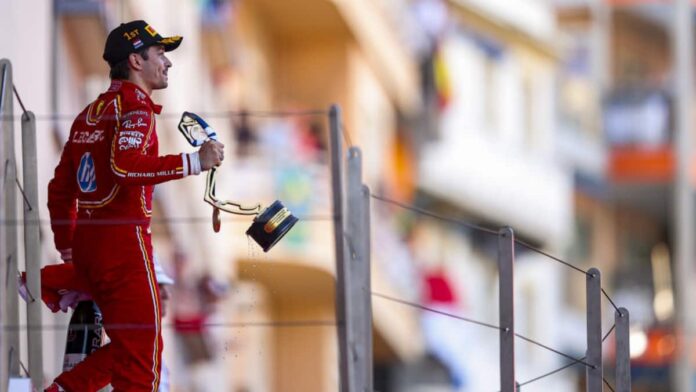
346 135
21 104
260 113
153 221
434 215
133 326
552 350
574 362
607 384
24 368
26 288
24 196
423 307
610 301
608 333
218 115
534 249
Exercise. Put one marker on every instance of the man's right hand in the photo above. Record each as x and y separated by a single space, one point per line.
212 153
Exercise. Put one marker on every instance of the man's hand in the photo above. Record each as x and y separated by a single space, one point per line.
211 154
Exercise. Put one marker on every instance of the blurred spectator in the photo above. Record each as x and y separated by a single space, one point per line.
310 142
194 304
244 134
443 335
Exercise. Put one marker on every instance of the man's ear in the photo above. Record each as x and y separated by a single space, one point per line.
135 61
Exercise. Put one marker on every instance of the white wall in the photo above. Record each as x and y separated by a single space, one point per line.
534 17
502 170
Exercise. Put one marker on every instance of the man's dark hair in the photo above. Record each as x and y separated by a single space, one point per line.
121 70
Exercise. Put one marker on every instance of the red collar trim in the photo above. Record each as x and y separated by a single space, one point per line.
140 94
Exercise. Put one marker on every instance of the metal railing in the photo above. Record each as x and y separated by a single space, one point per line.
351 215
353 291
9 308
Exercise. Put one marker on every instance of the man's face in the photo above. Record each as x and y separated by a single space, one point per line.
155 68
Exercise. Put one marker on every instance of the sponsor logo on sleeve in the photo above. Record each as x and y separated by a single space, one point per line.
128 140
151 174
86 174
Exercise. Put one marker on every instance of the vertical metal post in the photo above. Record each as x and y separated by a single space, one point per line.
338 211
366 287
623 356
594 372
506 259
3 247
357 275
11 316
685 227
32 248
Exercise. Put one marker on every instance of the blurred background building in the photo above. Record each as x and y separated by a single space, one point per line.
552 117
617 120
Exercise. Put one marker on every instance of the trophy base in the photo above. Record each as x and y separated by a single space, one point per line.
271 225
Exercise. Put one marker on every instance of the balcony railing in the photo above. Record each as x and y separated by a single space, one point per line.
638 118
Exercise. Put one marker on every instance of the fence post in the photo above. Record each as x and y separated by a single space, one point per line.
3 246
594 372
506 258
623 348
366 288
32 248
338 212
357 294
10 317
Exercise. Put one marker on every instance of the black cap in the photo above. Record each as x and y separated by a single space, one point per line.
132 37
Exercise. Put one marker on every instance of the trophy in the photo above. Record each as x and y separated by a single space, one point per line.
270 224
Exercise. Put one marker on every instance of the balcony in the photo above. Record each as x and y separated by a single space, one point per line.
83 21
638 128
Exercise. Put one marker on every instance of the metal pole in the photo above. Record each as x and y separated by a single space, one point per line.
338 211
3 247
594 372
357 275
600 36
623 356
366 288
11 349
506 259
32 248
684 203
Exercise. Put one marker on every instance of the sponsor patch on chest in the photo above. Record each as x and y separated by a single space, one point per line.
88 137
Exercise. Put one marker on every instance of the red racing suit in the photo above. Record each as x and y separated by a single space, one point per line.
100 203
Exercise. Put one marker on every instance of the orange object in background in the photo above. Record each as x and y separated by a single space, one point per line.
644 165
661 349
635 164
620 3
